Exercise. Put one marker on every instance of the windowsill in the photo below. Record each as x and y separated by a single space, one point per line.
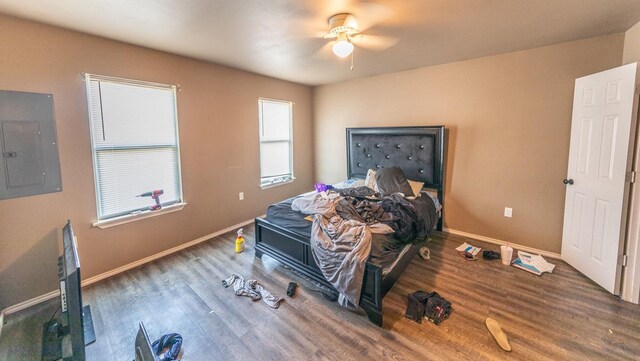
267 186
116 221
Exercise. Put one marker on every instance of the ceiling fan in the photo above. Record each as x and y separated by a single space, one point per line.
343 27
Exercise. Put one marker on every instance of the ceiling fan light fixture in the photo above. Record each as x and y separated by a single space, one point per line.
342 47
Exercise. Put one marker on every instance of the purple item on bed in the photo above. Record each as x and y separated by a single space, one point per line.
321 187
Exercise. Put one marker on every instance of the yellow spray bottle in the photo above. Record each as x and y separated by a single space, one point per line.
239 242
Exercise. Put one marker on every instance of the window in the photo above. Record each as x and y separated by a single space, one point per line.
134 136
276 142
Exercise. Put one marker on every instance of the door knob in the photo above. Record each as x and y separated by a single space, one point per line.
568 181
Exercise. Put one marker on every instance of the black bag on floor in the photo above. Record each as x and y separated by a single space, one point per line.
438 309
430 305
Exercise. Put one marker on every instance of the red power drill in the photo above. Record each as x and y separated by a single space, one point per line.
155 194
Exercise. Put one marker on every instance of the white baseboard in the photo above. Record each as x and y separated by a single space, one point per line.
34 301
501 242
167 252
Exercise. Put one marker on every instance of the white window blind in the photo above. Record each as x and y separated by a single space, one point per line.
134 131
276 141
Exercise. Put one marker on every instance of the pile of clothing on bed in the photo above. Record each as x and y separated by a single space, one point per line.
348 222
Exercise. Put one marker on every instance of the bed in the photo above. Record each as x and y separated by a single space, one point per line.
419 152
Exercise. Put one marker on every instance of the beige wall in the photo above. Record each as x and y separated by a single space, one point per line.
508 117
218 118
631 52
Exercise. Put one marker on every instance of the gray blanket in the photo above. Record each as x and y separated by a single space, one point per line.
340 247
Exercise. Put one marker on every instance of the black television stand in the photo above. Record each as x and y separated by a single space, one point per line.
51 341
53 334
87 322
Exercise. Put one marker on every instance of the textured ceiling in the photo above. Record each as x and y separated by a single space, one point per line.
282 38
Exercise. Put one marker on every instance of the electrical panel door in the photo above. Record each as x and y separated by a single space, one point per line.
29 162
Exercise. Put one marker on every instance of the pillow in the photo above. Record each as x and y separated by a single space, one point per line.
370 181
392 180
416 187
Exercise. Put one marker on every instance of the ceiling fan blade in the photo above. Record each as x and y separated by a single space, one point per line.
307 27
370 14
324 51
373 42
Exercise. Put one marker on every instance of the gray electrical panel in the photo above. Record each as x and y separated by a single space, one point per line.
29 164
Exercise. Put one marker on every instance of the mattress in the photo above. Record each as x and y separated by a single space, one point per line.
386 258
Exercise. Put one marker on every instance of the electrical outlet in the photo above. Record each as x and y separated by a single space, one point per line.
241 196
508 212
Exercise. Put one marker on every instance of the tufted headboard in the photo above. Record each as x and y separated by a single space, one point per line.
418 151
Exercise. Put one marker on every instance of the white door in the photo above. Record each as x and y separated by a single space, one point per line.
598 161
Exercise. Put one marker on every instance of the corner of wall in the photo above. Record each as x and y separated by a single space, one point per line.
631 51
314 131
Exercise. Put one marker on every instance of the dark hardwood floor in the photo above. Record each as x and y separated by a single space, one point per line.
559 316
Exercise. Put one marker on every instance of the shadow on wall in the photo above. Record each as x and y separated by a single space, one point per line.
32 274
449 154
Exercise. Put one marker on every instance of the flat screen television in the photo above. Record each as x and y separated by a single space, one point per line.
65 337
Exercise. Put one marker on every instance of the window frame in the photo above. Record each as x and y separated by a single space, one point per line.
131 215
282 179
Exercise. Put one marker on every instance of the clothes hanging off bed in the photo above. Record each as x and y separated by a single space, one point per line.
340 247
414 218
341 232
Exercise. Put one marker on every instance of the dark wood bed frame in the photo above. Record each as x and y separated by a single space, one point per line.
419 151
